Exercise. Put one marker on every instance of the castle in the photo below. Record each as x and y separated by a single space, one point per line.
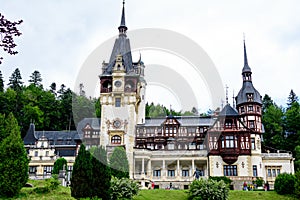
170 149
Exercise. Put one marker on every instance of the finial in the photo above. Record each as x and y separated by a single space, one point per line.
233 104
245 53
226 94
122 28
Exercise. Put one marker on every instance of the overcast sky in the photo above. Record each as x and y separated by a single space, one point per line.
58 35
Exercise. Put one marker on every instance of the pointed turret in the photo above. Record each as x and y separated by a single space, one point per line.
247 93
248 100
121 47
123 28
246 67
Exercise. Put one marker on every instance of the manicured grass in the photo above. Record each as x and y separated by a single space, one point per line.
64 193
161 194
257 195
233 195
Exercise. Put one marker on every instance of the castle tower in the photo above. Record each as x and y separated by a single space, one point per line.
248 100
122 96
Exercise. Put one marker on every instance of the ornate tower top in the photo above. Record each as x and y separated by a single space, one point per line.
247 93
123 28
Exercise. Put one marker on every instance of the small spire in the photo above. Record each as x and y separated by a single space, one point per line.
246 66
122 28
226 94
233 104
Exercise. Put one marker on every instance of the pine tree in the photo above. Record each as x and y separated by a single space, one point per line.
13 159
59 165
82 175
101 174
1 83
15 81
292 98
119 163
36 79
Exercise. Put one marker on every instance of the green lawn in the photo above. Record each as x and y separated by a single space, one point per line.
63 193
233 195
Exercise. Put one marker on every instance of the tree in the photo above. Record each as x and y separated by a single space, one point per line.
292 98
82 175
285 183
15 81
267 101
297 159
273 123
8 30
101 174
1 83
13 159
59 164
53 88
119 163
36 79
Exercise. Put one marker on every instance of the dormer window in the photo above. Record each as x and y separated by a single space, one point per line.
250 97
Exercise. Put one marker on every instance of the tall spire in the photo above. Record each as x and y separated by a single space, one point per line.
123 28
246 67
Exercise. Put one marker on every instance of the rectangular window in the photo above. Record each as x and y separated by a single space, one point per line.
250 108
242 109
269 173
36 153
171 172
32 169
118 102
278 172
258 109
229 141
47 153
251 124
230 170
255 170
273 172
47 170
185 173
156 173
252 143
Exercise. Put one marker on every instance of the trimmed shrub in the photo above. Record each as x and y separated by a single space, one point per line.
221 178
285 183
123 188
208 190
59 165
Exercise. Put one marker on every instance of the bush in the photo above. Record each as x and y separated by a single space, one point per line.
285 183
221 178
53 182
123 188
208 190
50 184
59 165
259 182
297 184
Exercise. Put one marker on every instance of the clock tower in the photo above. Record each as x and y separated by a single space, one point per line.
122 96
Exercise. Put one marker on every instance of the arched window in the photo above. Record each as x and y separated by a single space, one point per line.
116 139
